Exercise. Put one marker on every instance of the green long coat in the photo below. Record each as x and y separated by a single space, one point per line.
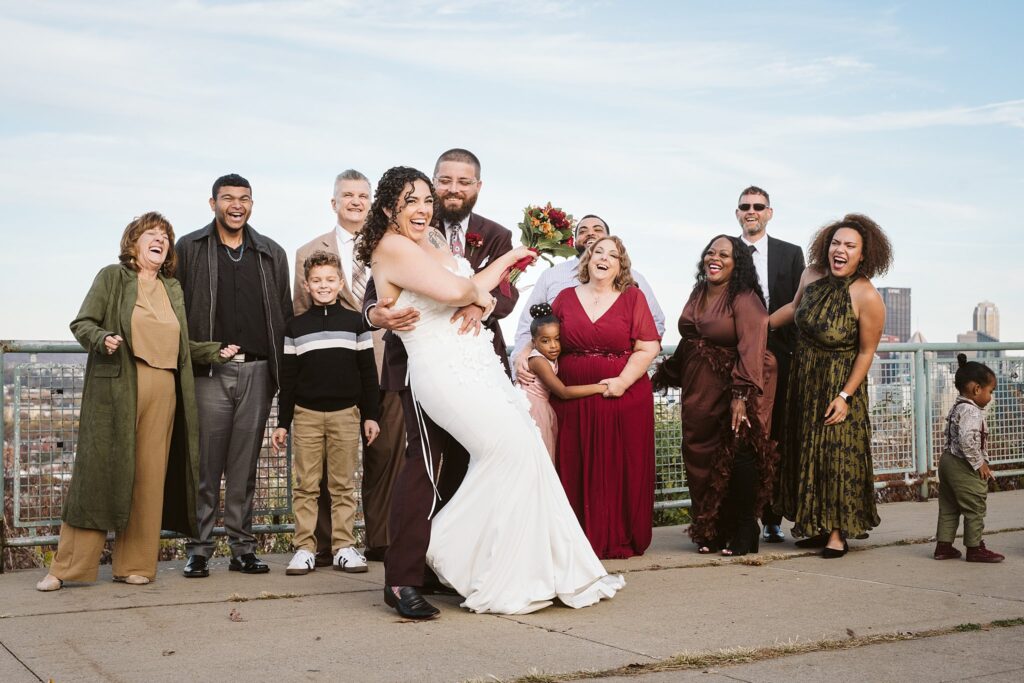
100 496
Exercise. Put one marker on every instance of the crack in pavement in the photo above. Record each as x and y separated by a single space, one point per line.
547 629
18 659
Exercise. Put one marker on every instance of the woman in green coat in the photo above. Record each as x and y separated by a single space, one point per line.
137 462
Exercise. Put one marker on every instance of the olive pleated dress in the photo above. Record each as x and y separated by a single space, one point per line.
827 479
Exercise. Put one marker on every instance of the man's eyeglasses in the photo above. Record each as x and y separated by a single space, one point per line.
445 181
756 207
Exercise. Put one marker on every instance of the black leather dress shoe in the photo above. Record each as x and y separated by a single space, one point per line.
409 603
773 533
248 564
196 567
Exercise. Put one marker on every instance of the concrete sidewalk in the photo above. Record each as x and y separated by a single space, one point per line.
330 625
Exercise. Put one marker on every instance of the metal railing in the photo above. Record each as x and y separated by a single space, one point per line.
910 390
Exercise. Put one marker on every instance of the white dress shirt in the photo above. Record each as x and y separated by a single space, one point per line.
346 250
563 276
760 255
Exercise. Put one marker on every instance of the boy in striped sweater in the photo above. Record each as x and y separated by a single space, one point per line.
328 384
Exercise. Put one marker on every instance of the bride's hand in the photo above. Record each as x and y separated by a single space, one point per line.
522 252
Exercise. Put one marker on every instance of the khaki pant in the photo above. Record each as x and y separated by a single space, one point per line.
962 491
319 438
136 547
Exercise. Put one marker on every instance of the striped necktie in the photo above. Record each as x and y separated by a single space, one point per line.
455 230
358 280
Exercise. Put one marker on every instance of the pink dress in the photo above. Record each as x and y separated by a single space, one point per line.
540 408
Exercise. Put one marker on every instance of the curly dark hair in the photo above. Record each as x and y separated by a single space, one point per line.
877 250
389 195
744 272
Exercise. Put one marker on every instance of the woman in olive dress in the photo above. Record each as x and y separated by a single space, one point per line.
827 481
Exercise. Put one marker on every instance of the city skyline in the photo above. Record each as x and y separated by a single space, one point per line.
652 115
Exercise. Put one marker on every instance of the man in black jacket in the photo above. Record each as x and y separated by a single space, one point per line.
236 290
779 266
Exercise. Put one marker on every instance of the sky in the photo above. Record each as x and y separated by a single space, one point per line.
653 115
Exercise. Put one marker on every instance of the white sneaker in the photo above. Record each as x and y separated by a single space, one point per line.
350 560
302 563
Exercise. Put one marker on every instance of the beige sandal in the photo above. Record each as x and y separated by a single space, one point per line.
132 579
49 583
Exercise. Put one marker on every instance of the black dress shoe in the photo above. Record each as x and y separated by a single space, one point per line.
438 589
409 603
773 533
818 541
248 564
196 567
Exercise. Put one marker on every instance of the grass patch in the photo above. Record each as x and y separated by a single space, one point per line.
741 655
238 597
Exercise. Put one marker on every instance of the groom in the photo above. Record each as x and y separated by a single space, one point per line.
457 185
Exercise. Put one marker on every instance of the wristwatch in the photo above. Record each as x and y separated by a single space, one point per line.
845 396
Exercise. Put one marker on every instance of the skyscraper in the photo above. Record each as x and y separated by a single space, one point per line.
986 319
897 311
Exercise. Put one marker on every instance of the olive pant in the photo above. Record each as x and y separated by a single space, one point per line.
962 491
135 547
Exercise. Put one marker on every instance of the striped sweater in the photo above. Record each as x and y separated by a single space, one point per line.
328 364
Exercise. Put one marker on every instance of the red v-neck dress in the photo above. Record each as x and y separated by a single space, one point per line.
606 445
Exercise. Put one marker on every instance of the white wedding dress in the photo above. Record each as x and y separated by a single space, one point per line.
507 541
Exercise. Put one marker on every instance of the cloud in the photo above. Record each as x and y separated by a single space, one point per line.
1009 113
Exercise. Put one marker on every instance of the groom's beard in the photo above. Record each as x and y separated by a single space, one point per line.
445 215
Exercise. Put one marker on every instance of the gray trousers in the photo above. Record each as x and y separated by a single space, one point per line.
233 408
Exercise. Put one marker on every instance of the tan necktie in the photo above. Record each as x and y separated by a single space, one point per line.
358 280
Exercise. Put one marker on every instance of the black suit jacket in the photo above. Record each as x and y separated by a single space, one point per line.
785 266
497 242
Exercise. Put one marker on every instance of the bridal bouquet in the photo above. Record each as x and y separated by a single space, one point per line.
547 231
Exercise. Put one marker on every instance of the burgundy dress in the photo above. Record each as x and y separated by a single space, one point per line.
606 445
723 348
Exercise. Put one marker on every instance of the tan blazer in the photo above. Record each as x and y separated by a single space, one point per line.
301 301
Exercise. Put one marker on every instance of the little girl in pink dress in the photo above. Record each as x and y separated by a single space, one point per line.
543 361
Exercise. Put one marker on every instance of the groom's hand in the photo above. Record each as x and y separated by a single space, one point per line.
385 316
471 316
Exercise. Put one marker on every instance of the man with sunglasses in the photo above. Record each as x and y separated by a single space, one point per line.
779 266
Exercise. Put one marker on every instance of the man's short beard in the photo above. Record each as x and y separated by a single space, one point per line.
445 215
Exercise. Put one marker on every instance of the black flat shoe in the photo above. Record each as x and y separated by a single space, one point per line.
832 553
773 533
409 603
196 567
819 541
248 564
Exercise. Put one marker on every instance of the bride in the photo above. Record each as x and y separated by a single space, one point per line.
507 541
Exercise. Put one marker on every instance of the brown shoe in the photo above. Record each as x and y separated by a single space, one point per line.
945 551
983 554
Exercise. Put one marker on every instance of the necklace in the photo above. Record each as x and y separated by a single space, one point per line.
152 308
241 252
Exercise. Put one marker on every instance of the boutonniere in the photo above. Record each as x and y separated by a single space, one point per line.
473 242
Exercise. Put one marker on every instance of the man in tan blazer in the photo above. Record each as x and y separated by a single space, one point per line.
382 459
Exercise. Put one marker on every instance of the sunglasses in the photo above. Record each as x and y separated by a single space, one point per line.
757 207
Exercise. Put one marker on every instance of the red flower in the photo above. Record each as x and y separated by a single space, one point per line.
474 239
571 242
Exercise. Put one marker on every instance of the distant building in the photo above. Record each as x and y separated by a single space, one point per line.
897 312
986 319
973 337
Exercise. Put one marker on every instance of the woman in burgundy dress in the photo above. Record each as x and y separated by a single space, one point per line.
727 377
606 444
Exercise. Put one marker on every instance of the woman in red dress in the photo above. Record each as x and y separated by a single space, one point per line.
606 444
